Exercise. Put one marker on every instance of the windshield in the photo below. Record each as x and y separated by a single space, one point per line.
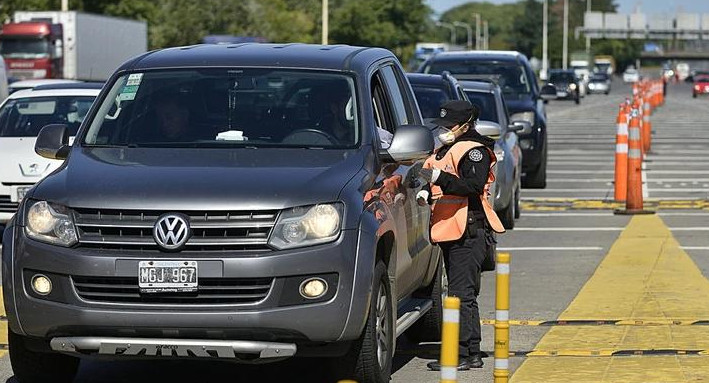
561 77
511 77
228 107
430 100
24 47
486 102
25 117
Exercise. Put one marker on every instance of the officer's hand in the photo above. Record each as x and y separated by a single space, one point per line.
429 175
422 197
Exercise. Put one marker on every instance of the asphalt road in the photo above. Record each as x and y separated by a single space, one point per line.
554 250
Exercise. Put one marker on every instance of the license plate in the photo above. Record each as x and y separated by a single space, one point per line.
561 94
167 276
21 192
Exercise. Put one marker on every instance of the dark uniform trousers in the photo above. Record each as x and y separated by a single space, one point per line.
464 265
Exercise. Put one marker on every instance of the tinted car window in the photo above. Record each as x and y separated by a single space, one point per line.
397 100
226 107
599 77
486 102
430 100
561 77
25 117
511 77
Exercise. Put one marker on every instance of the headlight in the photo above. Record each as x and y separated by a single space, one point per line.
523 116
525 144
591 86
572 86
306 226
50 224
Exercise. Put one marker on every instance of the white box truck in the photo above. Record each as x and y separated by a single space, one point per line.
72 45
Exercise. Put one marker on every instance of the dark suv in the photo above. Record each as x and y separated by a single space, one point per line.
566 83
246 202
514 74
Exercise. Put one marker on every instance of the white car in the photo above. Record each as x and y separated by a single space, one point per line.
30 84
631 75
22 115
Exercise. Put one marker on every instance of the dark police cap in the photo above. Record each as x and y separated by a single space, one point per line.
456 112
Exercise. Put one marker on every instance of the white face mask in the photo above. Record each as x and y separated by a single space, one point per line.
446 137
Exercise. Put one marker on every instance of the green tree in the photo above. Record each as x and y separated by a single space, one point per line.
526 33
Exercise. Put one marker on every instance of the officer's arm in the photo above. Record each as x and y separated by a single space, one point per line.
473 175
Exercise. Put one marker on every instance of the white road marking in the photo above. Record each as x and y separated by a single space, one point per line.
569 229
688 228
565 214
694 247
588 248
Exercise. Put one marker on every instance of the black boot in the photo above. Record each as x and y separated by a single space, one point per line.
464 364
475 360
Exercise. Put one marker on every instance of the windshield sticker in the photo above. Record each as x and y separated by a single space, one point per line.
131 87
134 79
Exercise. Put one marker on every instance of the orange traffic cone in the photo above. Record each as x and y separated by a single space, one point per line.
647 126
621 155
634 200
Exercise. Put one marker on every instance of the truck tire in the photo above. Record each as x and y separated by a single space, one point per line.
428 327
370 358
39 367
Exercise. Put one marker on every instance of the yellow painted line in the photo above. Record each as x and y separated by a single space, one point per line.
603 322
645 276
2 304
562 203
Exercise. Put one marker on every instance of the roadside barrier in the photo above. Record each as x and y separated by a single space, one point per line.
501 373
450 333
621 155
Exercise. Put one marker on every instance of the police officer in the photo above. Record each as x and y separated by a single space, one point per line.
462 220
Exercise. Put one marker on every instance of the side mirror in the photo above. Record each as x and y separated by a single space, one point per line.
58 49
53 142
548 92
489 129
410 143
523 127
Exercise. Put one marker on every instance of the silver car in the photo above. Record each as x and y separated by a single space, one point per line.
488 97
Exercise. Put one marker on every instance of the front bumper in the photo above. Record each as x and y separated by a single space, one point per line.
279 317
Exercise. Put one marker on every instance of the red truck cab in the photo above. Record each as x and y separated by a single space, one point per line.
32 50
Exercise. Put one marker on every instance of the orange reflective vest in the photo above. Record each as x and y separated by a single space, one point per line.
449 215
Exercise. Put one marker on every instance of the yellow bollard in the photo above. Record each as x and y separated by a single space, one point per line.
450 336
502 319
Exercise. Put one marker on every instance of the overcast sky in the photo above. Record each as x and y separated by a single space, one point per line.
624 6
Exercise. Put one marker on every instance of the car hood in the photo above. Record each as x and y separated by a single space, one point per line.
20 164
199 179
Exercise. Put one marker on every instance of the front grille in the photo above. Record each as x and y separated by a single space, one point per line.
210 291
215 231
6 205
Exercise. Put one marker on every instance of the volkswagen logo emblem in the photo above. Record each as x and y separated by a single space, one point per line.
172 231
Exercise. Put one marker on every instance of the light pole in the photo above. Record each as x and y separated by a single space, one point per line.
588 39
452 29
545 43
477 30
565 49
325 21
469 30
65 5
486 34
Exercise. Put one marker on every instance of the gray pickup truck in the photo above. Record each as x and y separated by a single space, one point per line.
247 202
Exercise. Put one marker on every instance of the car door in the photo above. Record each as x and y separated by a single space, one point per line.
395 110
